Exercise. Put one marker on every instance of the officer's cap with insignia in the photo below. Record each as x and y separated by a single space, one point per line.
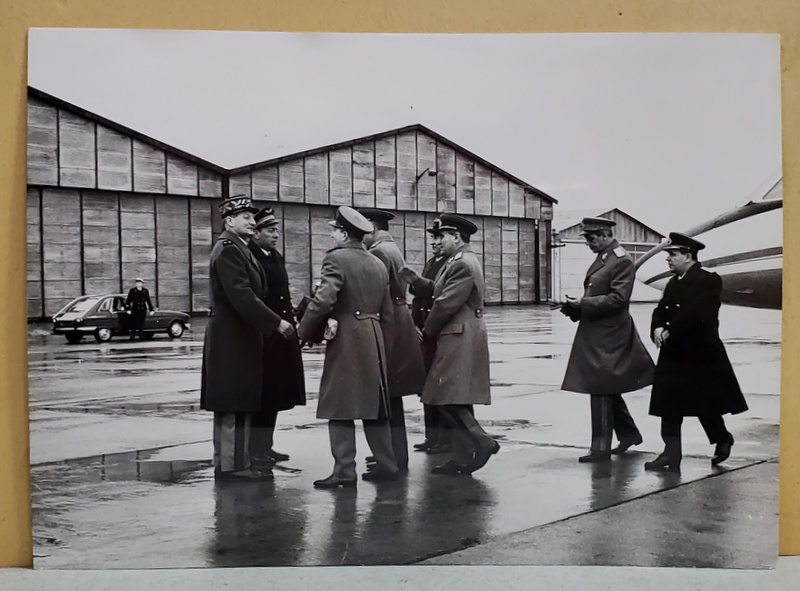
592 225
453 222
683 243
375 214
436 228
265 217
236 204
349 220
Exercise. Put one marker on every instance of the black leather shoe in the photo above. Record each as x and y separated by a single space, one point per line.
626 443
262 461
594 457
277 456
663 463
249 475
440 448
425 445
452 468
722 451
380 476
482 456
335 482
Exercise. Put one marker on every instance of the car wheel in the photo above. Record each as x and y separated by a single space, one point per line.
175 330
102 335
74 338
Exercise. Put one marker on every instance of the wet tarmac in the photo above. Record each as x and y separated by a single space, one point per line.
122 474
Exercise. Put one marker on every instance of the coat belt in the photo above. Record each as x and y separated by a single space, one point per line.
400 301
367 315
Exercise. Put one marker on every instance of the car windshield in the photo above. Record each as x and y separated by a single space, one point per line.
81 305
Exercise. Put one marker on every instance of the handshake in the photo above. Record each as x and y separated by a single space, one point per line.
408 274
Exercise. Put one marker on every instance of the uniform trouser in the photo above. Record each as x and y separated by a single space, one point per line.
713 425
232 441
610 414
397 422
343 446
437 430
262 432
468 435
137 323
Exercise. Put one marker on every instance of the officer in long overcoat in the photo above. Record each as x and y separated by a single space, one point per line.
353 296
437 432
607 356
406 370
233 346
459 373
282 380
694 377
138 304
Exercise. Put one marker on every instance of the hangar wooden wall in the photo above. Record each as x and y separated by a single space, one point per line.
106 205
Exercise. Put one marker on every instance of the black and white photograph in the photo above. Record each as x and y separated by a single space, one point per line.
306 299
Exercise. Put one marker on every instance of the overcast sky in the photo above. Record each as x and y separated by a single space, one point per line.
672 128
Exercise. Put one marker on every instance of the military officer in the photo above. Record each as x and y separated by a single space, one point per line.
694 377
403 354
607 356
353 296
282 381
233 345
138 304
459 373
437 433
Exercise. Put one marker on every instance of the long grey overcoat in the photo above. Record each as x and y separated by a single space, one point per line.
232 349
694 376
403 353
459 373
607 355
354 290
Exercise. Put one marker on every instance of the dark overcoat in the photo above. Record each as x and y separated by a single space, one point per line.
403 353
282 381
607 356
422 290
138 301
459 372
239 318
694 376
353 290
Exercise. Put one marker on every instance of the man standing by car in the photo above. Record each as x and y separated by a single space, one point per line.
233 346
353 296
138 304
403 354
607 356
282 381
694 377
459 374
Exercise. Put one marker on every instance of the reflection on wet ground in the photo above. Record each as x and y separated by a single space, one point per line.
98 503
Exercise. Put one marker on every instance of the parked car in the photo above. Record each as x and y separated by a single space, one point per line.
105 316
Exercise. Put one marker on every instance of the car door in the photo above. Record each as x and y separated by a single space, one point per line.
120 313
105 317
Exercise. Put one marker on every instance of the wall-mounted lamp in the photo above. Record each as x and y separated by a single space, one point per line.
429 171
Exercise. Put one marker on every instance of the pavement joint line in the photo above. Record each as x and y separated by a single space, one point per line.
117 453
498 538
